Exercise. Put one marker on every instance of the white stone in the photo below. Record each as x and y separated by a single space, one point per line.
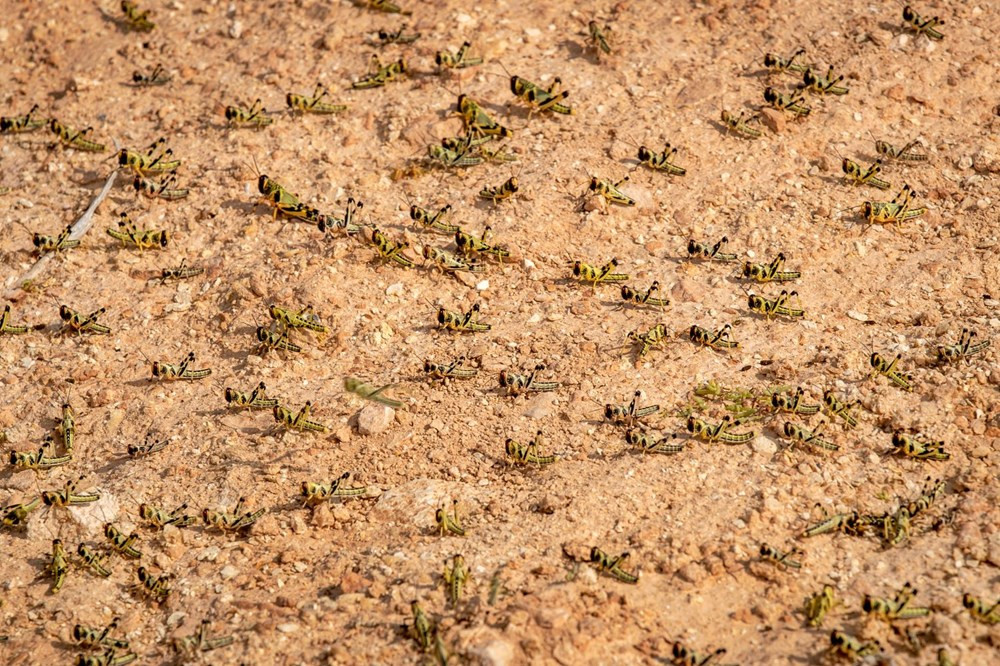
413 502
764 445
374 418
586 575
93 515
497 652
209 554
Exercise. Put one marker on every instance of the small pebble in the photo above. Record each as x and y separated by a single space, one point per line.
374 418
773 119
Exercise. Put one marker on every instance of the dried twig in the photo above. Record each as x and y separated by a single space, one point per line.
80 227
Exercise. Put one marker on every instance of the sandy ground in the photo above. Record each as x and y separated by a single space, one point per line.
334 584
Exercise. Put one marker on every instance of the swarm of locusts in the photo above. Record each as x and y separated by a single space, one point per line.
813 423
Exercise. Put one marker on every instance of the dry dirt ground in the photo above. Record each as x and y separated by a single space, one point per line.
334 584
